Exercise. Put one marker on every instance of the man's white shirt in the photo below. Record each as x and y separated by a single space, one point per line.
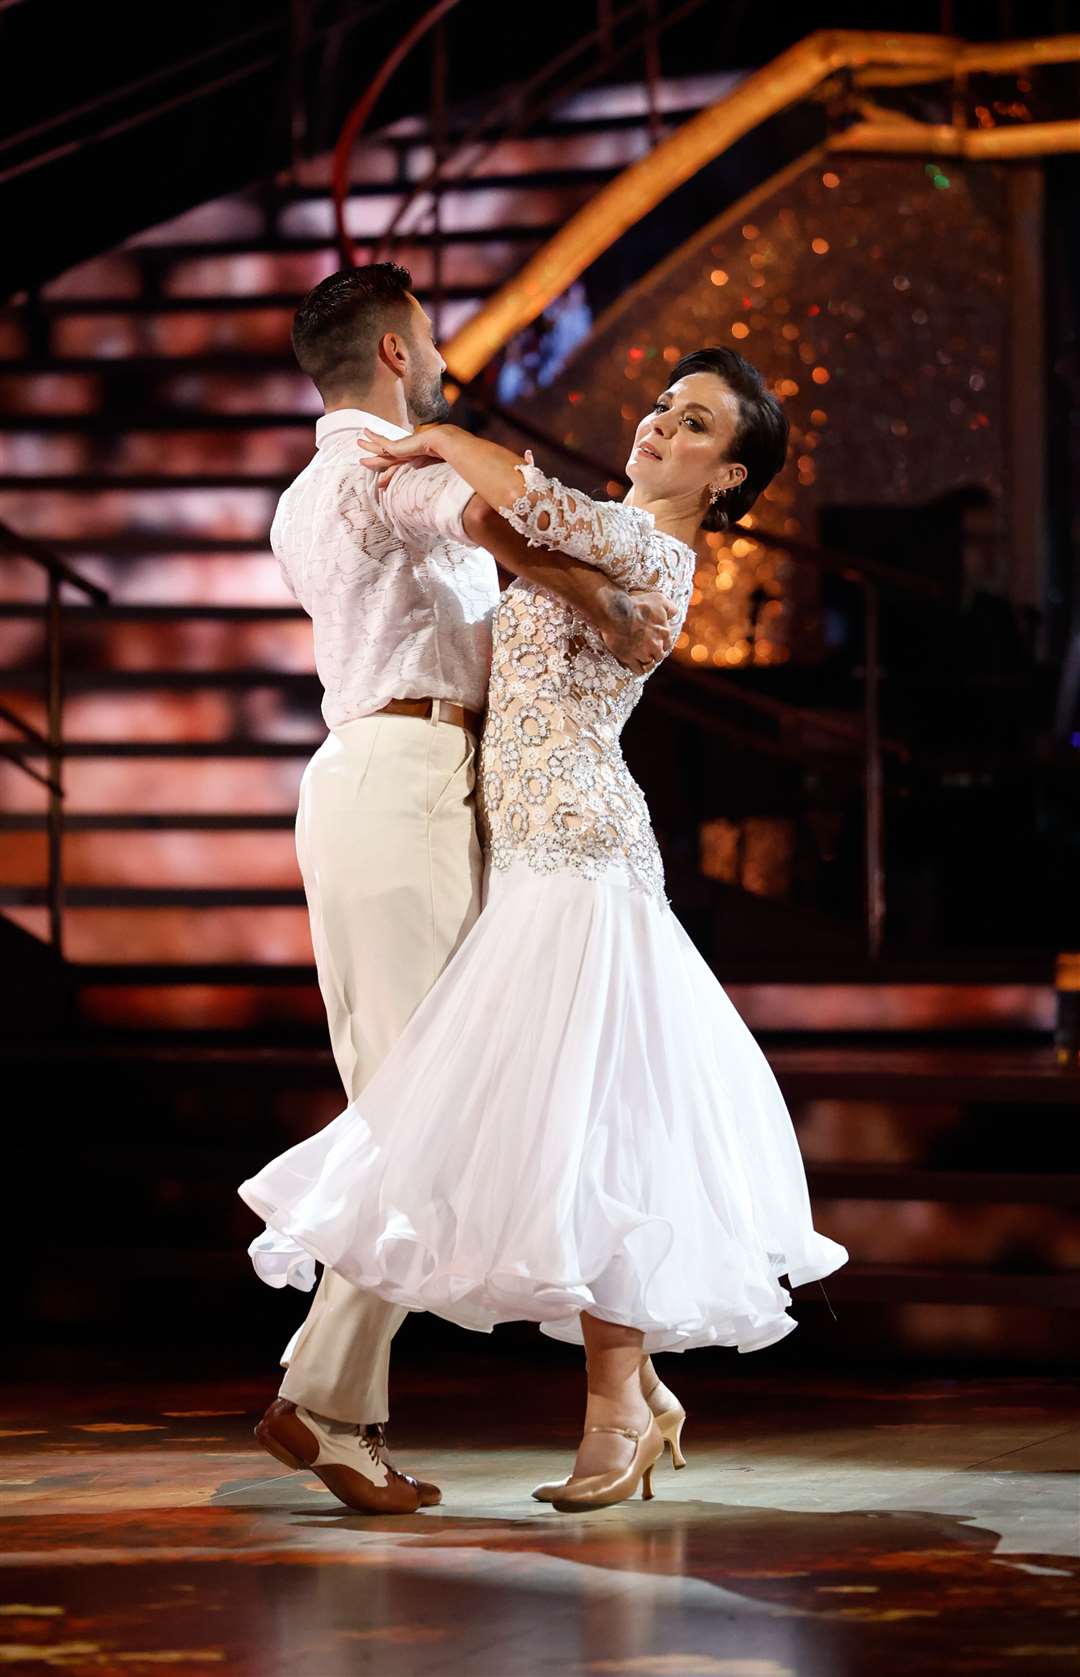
400 602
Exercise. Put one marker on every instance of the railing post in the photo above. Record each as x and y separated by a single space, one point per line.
604 29
652 73
874 888
299 32
54 730
439 151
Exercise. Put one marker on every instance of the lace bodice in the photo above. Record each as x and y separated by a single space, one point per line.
554 789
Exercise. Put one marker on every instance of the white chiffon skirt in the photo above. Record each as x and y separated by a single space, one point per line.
575 1119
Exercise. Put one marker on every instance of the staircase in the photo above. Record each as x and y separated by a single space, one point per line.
150 414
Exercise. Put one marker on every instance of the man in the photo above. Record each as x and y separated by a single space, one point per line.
400 583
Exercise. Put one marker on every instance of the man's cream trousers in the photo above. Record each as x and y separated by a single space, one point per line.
386 836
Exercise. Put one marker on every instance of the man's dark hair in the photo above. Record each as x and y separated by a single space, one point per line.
761 434
337 328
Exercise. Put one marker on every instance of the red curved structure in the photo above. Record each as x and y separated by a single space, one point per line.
360 113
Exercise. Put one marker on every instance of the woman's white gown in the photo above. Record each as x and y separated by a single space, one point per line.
576 1118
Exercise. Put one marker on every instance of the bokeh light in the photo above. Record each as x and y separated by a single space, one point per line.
903 326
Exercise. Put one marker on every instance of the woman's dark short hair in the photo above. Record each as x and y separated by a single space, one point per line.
761 434
337 328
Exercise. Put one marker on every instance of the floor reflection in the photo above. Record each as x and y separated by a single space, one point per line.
816 1540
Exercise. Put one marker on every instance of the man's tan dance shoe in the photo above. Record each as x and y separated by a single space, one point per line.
350 1461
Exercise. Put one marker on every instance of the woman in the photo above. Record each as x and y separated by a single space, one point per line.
576 1128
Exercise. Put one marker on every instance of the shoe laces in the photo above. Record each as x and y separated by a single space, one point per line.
373 1444
373 1438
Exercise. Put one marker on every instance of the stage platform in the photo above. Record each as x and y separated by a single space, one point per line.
824 1527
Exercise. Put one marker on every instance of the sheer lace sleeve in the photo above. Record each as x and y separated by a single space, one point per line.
619 540
426 503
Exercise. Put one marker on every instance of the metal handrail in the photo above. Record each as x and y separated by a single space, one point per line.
26 547
518 99
51 742
116 95
783 711
852 567
349 18
363 108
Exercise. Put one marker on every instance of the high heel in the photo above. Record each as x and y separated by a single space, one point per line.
670 1419
671 1423
601 1490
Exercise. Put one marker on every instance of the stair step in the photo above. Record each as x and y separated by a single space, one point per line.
1025 1074
167 254
1016 1069
1014 996
554 128
161 896
165 858
805 1063
271 975
296 682
289 1064
75 615
169 748
140 822
177 1154
410 132
170 453
994 1077
116 422
509 180
904 1182
149 544
62 308
914 1284
153 366
856 1283
95 483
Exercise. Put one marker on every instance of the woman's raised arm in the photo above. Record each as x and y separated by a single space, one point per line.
488 468
607 535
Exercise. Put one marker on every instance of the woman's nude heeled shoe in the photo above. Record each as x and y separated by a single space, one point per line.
601 1490
670 1421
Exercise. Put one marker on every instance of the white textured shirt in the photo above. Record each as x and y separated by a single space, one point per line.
400 602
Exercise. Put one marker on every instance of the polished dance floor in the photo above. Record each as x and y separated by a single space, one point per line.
823 1528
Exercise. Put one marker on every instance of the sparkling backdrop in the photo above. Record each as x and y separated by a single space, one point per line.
872 294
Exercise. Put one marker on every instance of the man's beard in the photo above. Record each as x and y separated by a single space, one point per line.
427 405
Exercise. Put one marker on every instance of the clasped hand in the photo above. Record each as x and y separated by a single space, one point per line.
388 455
641 630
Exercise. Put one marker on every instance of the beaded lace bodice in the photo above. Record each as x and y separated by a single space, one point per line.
554 790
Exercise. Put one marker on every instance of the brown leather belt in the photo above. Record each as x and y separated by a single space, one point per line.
470 720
